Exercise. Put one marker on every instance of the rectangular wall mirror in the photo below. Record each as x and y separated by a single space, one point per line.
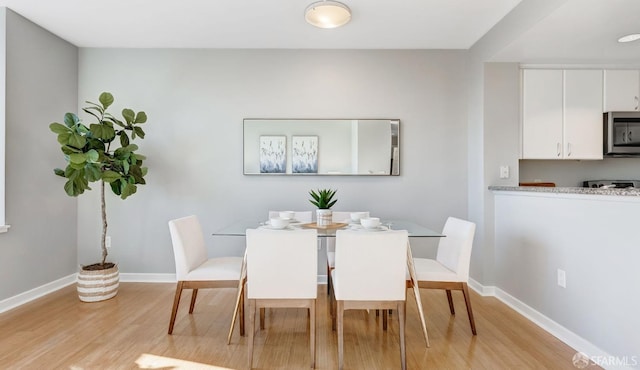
368 147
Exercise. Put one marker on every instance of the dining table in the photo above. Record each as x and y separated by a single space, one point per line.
414 230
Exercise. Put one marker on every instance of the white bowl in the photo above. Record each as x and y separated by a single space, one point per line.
278 222
287 215
370 222
357 216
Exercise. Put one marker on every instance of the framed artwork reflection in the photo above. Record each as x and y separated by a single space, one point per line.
273 154
304 154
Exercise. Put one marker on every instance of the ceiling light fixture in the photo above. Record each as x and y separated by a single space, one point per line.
327 14
629 38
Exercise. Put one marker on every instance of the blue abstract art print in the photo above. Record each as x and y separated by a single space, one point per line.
304 154
273 154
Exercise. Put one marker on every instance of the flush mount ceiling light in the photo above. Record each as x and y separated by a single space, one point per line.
327 14
629 38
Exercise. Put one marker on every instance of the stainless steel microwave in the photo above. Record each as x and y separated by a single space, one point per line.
621 134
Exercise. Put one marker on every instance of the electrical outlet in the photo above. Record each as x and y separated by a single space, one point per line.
562 278
504 172
107 241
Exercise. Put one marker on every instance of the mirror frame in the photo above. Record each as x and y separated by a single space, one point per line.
283 140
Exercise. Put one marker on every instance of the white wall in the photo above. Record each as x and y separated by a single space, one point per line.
41 85
196 100
537 234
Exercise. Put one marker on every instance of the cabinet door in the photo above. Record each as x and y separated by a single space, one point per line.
621 90
542 114
582 114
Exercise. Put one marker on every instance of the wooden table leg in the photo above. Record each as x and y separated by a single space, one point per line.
416 293
239 300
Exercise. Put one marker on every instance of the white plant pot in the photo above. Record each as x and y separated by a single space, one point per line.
324 217
98 285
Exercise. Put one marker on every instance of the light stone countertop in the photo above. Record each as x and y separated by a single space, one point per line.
632 192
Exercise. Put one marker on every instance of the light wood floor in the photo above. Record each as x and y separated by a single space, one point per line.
130 332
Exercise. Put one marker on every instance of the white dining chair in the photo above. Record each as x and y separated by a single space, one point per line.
370 273
450 269
282 271
330 243
194 270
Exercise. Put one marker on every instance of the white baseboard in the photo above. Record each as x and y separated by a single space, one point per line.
322 279
130 277
570 338
30 295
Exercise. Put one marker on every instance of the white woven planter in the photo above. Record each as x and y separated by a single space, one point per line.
98 285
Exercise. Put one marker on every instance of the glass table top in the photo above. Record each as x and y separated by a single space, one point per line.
239 228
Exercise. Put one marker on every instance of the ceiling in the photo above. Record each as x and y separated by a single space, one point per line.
576 31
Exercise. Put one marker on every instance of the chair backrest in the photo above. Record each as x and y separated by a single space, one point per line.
341 216
338 216
454 250
282 264
189 249
371 266
302 216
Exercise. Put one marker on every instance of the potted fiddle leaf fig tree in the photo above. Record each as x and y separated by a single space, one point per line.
101 152
323 199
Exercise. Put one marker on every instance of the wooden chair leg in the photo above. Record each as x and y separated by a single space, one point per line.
340 315
252 323
385 317
450 299
467 300
328 279
262 310
312 333
241 312
176 303
194 294
401 318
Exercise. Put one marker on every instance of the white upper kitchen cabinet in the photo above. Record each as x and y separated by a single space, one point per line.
621 90
561 114
582 114
542 114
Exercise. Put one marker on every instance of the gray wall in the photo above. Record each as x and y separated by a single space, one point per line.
41 85
196 100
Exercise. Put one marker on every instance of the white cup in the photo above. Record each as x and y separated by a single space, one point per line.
287 215
370 222
278 222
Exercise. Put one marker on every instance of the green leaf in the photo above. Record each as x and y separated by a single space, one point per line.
59 172
106 99
115 187
77 140
124 138
92 155
141 117
58 128
77 158
129 189
128 115
63 138
139 131
92 172
125 167
110 177
70 119
70 188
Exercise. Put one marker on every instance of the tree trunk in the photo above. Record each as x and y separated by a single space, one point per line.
104 223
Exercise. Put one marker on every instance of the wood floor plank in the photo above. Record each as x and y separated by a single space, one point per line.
130 332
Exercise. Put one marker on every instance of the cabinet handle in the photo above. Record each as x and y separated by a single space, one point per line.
629 136
624 136
568 149
636 99
558 147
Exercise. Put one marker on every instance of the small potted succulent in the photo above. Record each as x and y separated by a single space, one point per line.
323 199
